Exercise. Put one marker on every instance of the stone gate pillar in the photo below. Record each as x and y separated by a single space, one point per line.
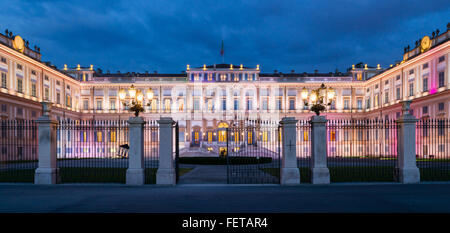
319 170
290 174
47 171
166 171
406 170
136 171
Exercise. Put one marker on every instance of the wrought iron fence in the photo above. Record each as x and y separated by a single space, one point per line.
18 150
151 150
92 151
361 150
304 150
253 152
433 149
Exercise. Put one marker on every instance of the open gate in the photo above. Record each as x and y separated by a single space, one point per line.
253 153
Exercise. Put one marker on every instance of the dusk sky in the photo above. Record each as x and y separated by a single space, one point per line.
139 36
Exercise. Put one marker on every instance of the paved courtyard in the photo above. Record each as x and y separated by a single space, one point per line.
335 198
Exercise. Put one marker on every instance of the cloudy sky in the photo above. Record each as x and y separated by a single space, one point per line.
149 35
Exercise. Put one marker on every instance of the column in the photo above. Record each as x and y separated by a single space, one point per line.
406 171
319 170
135 172
290 174
166 172
47 171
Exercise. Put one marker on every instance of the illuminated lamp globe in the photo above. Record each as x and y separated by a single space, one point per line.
331 93
122 94
304 93
140 96
313 96
132 91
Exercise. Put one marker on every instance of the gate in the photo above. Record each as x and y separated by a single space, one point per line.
253 153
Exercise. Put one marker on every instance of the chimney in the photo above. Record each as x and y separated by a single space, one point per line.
292 71
316 71
275 71
155 72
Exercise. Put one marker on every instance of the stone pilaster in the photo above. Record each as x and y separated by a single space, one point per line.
166 171
290 174
136 172
319 170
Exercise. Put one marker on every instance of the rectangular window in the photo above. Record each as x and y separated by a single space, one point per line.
99 136
3 60
112 104
411 89
196 105
68 101
291 104
99 104
425 110
3 80
33 72
346 103
224 104
411 72
397 77
359 104
264 105
425 66
58 98
46 94
441 59
33 89
19 67
86 104
45 77
441 106
368 103
113 136
236 104
397 93
249 104
386 97
332 135
425 84
278 107
441 79
167 105
376 101
19 85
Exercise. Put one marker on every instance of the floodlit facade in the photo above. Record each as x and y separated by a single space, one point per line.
207 99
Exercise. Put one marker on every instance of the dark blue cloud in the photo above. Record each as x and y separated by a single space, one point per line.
167 35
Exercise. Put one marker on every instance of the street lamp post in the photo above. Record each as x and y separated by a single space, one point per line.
317 97
137 98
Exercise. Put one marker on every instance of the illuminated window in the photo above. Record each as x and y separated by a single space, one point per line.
222 136
68 101
264 136
210 137
359 76
180 105
250 137
332 135
210 105
99 136
167 105
113 137
305 136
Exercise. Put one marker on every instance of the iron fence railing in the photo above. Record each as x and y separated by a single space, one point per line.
361 150
433 149
92 151
253 152
151 150
18 150
304 150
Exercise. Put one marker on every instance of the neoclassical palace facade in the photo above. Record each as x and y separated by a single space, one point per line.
208 98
